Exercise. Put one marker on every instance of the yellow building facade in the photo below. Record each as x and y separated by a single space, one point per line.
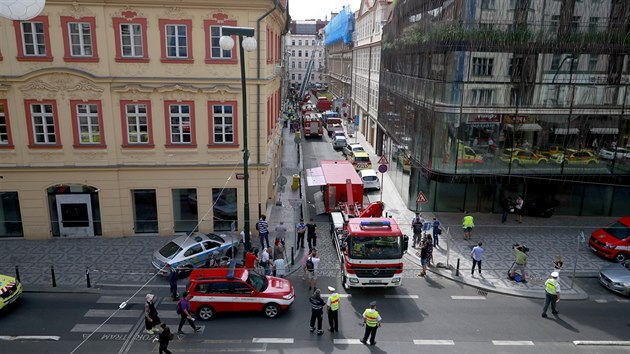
122 118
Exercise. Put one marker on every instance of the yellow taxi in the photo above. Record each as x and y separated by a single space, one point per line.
581 157
522 157
360 160
10 290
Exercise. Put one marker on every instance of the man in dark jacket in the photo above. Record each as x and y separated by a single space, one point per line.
317 311
164 339
172 281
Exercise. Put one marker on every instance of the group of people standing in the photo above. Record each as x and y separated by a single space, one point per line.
425 241
154 325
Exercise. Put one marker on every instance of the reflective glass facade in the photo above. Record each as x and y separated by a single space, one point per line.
484 100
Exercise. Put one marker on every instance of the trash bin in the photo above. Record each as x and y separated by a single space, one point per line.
296 182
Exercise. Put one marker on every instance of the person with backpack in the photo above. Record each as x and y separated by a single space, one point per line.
183 310
164 338
416 226
311 267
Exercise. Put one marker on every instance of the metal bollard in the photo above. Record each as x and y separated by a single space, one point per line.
17 274
52 272
457 270
292 257
87 277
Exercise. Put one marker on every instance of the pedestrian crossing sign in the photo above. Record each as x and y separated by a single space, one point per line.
421 198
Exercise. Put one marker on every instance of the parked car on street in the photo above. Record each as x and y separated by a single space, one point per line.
350 148
612 153
10 290
616 277
216 290
194 251
581 157
338 142
613 241
522 157
370 179
360 160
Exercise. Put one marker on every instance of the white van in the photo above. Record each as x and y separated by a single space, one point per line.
370 179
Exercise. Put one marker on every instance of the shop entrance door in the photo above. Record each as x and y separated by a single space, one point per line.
75 215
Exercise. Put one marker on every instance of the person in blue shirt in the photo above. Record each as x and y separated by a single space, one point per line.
436 232
476 253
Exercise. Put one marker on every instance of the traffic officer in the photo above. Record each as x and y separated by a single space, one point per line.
552 294
468 224
317 311
372 321
333 310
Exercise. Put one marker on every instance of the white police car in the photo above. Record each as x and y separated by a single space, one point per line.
194 251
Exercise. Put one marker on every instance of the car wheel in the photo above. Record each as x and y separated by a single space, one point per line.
621 257
206 313
271 310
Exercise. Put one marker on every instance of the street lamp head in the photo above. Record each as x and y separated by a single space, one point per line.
20 10
226 43
249 44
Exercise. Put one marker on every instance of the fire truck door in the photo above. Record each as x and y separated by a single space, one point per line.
331 198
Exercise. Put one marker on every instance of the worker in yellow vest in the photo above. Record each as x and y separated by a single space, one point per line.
552 294
468 224
333 310
372 321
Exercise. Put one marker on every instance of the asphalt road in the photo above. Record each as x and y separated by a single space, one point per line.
416 317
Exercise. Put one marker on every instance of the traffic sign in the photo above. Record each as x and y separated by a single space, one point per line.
421 198
383 160
382 168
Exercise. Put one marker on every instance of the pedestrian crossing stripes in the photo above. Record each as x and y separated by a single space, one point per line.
23 338
101 328
602 342
340 295
273 340
512 342
346 341
433 342
455 297
402 296
606 300
105 299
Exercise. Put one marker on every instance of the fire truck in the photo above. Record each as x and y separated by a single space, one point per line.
369 246
313 124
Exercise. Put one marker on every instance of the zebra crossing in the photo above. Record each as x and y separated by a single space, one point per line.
107 320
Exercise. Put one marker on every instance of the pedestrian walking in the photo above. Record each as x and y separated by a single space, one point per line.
558 263
307 255
263 231
436 232
278 250
552 294
506 207
281 232
468 224
279 267
301 231
173 276
332 306
164 338
312 263
518 209
520 262
416 226
151 318
264 261
250 259
372 321
311 237
426 249
476 253
183 310
317 311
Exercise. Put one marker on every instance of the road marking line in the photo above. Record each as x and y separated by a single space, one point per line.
106 328
29 338
118 299
512 342
113 313
401 296
340 295
623 300
602 342
468 297
601 301
130 285
273 340
347 341
433 342
221 341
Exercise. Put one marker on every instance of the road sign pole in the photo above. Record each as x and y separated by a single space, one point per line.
382 177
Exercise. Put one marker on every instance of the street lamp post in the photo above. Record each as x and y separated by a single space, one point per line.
245 44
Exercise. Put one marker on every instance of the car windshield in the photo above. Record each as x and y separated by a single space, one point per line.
215 237
618 230
357 148
375 247
258 281
369 178
170 250
361 159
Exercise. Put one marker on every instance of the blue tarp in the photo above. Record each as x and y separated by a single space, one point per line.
340 27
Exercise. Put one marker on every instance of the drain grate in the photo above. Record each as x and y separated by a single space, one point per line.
482 292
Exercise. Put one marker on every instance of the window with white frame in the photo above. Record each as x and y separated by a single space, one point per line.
179 120
482 66
137 124
223 123
306 53
481 96
300 42
215 49
292 65
300 77
43 121
131 40
299 65
292 76
88 124
4 130
33 38
176 41
299 53
80 34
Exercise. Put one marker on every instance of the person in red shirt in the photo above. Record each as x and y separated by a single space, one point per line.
250 259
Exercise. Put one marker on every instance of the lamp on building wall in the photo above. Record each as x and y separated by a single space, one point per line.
20 10
245 44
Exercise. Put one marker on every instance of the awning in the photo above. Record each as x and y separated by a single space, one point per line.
529 127
315 177
566 131
604 131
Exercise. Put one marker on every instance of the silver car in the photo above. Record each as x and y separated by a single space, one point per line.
616 277
338 142
194 251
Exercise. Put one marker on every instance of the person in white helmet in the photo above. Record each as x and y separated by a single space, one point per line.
552 294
